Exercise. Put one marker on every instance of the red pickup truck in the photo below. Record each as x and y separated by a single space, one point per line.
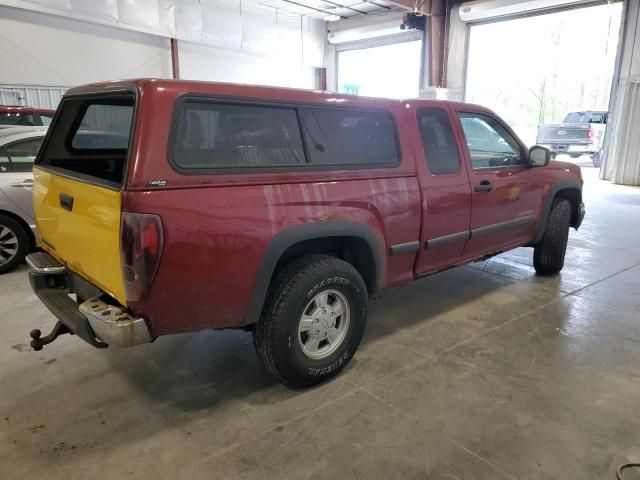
172 206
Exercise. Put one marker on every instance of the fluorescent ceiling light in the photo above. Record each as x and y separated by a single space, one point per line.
331 18
488 9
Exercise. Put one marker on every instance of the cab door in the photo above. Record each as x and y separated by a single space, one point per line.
506 193
445 188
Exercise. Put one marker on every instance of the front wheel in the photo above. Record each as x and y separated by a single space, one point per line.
313 320
14 244
548 254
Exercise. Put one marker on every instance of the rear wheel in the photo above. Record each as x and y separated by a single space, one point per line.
14 244
595 158
548 254
313 320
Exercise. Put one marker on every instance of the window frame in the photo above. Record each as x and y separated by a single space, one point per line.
59 122
523 150
182 100
447 113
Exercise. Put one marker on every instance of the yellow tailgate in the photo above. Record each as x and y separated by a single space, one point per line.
85 237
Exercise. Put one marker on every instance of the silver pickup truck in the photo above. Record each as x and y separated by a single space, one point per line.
581 133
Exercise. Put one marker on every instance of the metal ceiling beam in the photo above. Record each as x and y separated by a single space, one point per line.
345 6
377 4
409 4
314 8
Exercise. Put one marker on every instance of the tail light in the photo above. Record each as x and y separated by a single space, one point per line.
141 242
590 134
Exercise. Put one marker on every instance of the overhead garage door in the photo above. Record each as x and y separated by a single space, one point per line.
536 69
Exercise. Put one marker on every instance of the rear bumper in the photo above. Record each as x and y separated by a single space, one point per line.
97 322
576 148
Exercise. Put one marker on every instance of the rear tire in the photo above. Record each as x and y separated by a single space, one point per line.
548 254
312 300
595 158
14 244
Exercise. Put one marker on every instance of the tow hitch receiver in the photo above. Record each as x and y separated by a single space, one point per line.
37 343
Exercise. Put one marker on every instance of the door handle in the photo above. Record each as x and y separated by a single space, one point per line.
25 183
66 201
484 186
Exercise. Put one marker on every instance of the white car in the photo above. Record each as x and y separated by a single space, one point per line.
18 149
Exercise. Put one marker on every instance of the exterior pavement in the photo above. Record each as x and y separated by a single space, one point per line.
482 372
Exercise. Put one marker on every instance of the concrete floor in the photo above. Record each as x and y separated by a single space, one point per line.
483 372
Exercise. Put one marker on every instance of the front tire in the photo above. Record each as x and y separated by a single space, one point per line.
14 244
313 320
548 254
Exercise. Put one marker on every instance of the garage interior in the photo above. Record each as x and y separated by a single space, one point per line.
486 371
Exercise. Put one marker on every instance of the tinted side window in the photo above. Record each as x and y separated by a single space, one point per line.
490 144
349 137
218 135
21 154
438 141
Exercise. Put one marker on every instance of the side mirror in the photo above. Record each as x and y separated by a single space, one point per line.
539 156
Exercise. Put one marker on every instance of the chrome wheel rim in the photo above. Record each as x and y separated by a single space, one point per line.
8 245
324 324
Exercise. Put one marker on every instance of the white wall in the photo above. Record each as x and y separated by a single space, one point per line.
42 49
249 45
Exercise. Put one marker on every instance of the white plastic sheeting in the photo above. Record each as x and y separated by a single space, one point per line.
227 24
623 151
621 156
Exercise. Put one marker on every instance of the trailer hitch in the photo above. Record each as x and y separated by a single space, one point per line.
37 343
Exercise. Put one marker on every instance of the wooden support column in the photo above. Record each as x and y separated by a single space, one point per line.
175 61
